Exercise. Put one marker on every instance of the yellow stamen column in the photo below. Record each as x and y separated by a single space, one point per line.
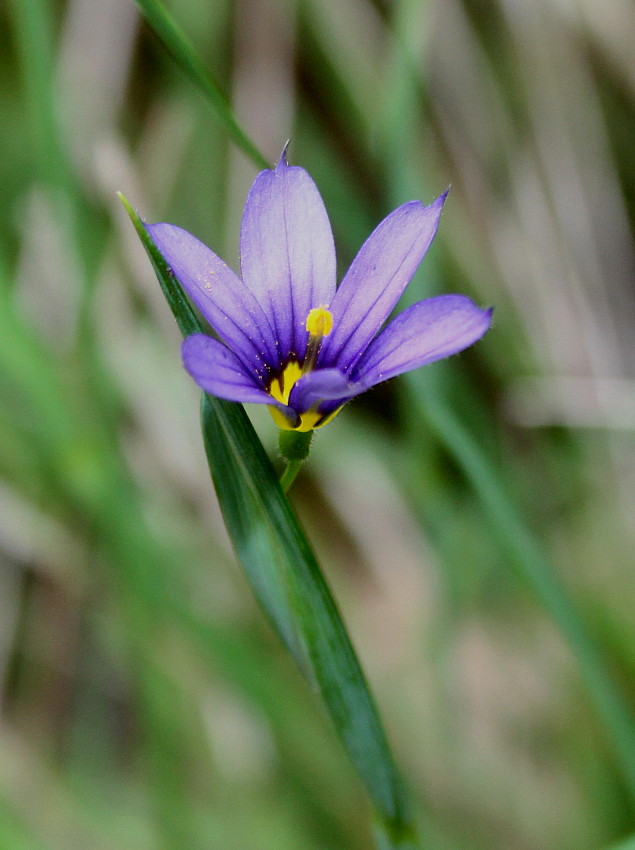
295 443
319 323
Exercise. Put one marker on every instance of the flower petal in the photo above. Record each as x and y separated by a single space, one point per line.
219 294
287 252
322 385
218 371
376 279
427 331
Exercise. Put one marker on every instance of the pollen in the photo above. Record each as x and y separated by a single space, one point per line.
319 322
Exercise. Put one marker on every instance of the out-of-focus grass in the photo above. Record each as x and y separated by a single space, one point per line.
145 702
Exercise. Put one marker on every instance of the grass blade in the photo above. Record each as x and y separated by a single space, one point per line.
180 48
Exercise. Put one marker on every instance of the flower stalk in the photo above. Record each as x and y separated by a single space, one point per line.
294 447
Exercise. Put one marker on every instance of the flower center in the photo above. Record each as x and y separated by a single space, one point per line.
319 323
280 388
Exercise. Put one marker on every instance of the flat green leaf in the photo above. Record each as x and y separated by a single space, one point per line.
288 582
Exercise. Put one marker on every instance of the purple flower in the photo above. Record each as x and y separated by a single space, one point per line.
286 336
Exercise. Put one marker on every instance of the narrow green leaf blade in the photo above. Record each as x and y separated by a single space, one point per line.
180 48
288 583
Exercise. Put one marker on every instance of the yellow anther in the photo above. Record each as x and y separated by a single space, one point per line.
319 322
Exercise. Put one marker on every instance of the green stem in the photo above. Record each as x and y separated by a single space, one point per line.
288 476
294 448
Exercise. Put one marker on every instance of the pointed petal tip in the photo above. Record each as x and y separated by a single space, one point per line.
439 202
282 162
487 314
435 206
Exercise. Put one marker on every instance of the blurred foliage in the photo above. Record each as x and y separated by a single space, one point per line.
145 701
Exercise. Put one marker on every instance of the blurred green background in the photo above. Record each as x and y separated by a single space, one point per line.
145 702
